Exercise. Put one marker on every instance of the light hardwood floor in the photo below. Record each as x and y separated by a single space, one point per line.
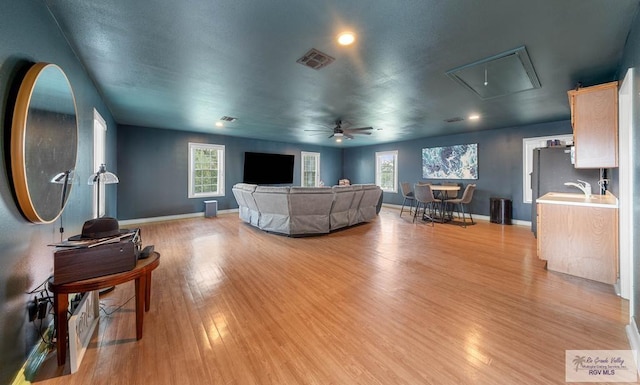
388 302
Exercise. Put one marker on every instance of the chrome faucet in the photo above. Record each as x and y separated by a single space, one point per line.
584 186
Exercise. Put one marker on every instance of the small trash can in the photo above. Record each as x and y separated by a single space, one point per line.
500 210
210 209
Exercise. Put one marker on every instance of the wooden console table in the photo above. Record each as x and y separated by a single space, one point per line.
142 275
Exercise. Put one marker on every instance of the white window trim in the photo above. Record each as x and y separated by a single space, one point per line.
528 144
394 189
221 171
99 150
315 155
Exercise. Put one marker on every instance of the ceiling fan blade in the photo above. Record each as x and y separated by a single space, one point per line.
348 136
331 136
360 128
357 132
317 130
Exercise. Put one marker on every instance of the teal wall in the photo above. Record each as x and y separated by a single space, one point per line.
154 166
154 169
29 35
499 163
146 156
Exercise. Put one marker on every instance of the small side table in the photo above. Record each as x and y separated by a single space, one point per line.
142 275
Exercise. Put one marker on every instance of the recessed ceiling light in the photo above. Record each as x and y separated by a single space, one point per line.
219 124
474 117
346 38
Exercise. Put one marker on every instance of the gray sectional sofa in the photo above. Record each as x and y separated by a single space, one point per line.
301 211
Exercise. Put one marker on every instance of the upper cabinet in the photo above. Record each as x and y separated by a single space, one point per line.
594 117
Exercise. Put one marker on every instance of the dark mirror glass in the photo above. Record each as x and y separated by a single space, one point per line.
44 141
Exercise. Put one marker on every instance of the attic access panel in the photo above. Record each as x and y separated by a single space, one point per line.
499 75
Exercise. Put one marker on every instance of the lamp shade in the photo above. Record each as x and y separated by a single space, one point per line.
103 176
63 177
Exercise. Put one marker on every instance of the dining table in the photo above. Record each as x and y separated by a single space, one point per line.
444 192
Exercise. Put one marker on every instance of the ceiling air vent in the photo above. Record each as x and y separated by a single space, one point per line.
453 120
228 119
315 59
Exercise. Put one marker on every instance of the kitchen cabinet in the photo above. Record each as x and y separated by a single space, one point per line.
594 117
579 235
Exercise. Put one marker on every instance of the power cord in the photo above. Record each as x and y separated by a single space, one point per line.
39 309
117 307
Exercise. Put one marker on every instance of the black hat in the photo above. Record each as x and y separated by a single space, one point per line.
99 228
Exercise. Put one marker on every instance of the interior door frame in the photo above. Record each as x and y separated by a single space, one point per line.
626 182
99 150
528 144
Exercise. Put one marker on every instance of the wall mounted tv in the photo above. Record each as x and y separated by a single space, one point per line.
262 168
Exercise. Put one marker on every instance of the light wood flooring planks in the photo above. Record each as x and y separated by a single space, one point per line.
388 302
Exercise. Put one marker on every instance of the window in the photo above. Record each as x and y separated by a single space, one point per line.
310 169
387 170
206 170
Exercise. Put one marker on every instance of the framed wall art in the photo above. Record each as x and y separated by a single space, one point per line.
450 162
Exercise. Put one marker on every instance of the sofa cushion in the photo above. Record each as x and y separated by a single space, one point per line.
342 200
354 216
369 202
248 210
309 208
273 205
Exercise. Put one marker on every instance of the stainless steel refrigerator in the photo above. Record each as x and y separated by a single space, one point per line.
551 169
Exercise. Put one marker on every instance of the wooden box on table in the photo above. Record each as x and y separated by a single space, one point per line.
76 264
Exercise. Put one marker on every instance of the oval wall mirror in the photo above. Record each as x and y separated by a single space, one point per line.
44 143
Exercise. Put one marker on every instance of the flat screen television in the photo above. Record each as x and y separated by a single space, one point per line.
262 168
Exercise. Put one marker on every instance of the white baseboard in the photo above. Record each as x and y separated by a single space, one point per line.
128 222
634 341
485 218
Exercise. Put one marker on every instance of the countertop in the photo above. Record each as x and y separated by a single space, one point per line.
605 201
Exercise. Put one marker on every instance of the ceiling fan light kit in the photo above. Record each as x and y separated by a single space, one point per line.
339 132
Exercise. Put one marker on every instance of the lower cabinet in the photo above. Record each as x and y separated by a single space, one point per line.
579 240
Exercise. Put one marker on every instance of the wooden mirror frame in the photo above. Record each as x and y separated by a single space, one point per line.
44 143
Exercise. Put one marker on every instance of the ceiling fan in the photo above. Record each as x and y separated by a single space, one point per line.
344 132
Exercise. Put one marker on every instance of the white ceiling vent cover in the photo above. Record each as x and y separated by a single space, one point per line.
315 59
499 75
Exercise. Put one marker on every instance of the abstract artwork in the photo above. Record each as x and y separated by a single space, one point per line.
450 162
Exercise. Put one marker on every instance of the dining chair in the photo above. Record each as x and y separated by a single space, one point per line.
463 202
408 195
451 184
424 198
